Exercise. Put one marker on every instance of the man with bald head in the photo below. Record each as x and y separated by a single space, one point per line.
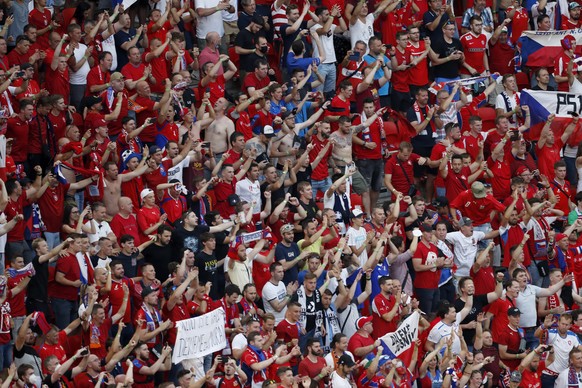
211 52
125 222
148 135
220 129
113 181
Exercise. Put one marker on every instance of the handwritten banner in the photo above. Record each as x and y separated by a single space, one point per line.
200 336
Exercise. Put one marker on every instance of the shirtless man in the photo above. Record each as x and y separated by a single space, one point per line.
284 146
219 131
113 181
341 154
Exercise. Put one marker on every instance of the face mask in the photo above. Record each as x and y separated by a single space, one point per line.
264 49
35 380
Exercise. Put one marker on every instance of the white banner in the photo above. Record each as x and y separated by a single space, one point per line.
398 342
128 3
200 336
2 151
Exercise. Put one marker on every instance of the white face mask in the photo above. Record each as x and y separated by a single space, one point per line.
35 380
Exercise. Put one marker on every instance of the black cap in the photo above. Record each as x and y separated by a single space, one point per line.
155 149
425 228
92 100
513 311
441 202
26 65
146 291
346 360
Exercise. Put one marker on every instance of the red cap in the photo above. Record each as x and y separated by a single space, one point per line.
561 236
360 322
100 123
521 170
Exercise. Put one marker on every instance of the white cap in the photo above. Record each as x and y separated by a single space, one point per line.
145 192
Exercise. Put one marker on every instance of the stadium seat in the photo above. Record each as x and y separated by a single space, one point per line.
523 81
488 115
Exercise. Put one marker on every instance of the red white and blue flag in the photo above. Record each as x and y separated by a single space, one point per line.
400 343
542 104
541 48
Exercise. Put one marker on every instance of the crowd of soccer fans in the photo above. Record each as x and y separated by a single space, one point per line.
320 171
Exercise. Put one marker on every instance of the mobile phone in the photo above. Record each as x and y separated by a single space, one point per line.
20 73
514 136
205 144
354 57
294 111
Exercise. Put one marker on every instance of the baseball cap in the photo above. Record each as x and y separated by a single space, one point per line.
465 221
504 29
360 322
346 360
268 131
521 169
425 228
513 311
478 190
145 192
441 202
146 291
357 213
100 123
561 236
116 76
515 377
573 5
155 149
26 65
92 100
286 228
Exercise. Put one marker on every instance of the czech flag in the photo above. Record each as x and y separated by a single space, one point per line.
541 48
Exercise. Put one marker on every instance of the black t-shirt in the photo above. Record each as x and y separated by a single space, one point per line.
429 17
60 383
313 309
245 39
275 194
549 88
249 64
182 238
159 256
424 139
288 39
479 301
206 265
37 288
302 176
448 69
221 249
129 263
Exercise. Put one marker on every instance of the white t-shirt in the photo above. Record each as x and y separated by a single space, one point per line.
355 239
326 43
562 347
442 330
230 17
274 292
576 86
239 341
109 46
339 382
526 303
250 192
362 31
177 171
465 249
102 229
500 104
212 23
79 77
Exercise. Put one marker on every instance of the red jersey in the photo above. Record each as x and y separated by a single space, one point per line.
369 134
57 82
428 256
96 337
548 155
287 332
121 226
17 308
248 358
561 69
477 209
418 73
159 70
59 124
312 369
511 238
12 209
399 170
519 23
178 313
563 193
69 266
511 338
401 78
96 77
251 80
500 320
110 101
146 218
215 88
484 280
457 183
133 72
159 175
474 48
359 341
501 181
116 298
132 189
18 129
338 103
382 305
320 172
40 20
501 58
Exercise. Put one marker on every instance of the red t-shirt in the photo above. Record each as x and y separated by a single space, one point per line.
477 209
548 156
322 170
511 238
146 218
160 34
286 332
132 72
96 77
251 80
359 341
500 320
215 88
511 338
17 308
474 48
116 298
369 134
337 102
52 350
58 83
132 189
159 70
40 20
380 306
428 255
110 101
59 124
519 23
148 135
159 175
401 78
69 266
457 183
178 313
96 337
501 181
12 209
397 169
121 226
312 369
484 280
418 73
18 129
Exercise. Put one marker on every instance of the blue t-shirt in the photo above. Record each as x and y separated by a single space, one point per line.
299 63
384 90
284 253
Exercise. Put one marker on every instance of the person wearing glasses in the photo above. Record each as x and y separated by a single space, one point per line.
447 55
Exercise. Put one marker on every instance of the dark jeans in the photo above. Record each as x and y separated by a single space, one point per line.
448 292
428 299
66 311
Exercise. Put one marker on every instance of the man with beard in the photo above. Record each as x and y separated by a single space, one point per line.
187 235
160 251
276 294
341 377
320 179
309 298
115 99
288 253
313 365
337 198
211 268
145 369
150 315
247 305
